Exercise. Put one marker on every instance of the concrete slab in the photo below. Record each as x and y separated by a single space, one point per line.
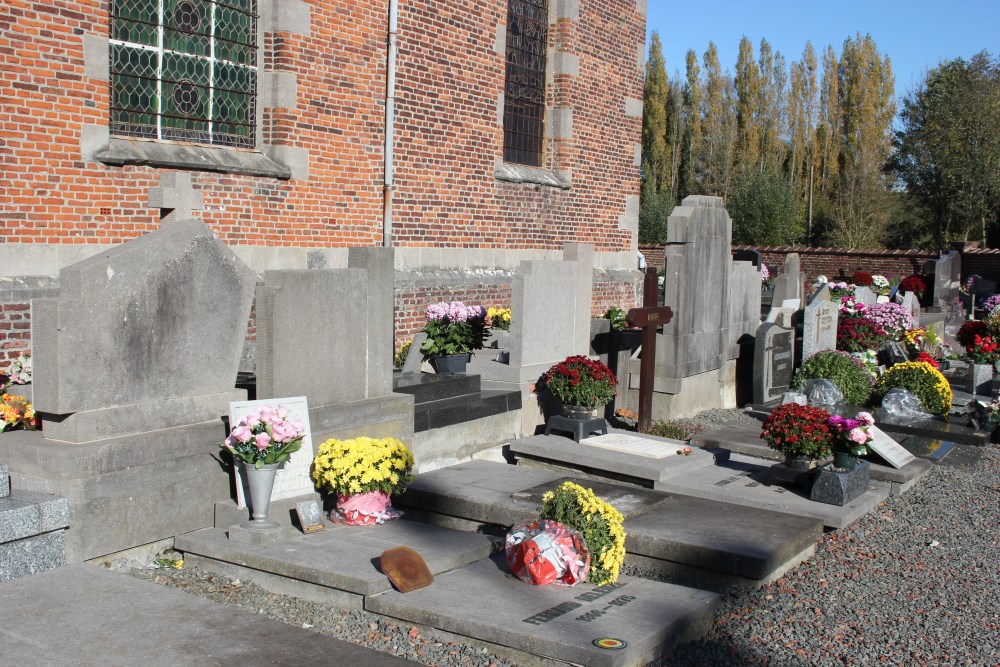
641 618
679 536
741 481
340 557
642 460
743 440
110 618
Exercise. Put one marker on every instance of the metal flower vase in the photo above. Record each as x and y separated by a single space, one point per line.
259 484
844 460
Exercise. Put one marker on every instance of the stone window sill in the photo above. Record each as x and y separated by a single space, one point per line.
521 173
199 158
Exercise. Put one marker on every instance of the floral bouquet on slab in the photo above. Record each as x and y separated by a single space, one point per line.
16 413
850 438
363 473
266 436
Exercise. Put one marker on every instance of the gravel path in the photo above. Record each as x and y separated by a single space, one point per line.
916 582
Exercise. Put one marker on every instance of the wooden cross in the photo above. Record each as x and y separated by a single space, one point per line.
648 318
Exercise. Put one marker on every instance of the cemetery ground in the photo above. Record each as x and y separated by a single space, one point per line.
914 582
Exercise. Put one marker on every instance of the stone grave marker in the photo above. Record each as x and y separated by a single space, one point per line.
788 284
819 328
630 444
865 295
405 568
821 293
292 479
947 279
912 305
890 450
773 361
415 358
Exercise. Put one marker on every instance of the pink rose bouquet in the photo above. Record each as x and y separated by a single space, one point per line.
851 435
265 436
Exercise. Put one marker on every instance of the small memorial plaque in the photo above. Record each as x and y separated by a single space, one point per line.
890 450
405 568
630 444
310 516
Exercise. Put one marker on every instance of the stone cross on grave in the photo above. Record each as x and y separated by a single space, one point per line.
648 318
175 196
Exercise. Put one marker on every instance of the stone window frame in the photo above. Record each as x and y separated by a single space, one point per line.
558 123
274 89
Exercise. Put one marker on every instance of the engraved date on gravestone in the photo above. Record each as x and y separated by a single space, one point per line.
564 608
595 614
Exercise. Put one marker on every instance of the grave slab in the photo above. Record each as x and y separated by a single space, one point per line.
644 460
340 557
741 481
743 440
639 617
679 535
110 618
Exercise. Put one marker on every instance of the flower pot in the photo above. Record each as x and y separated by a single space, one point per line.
363 509
577 412
451 364
799 461
979 379
259 483
844 460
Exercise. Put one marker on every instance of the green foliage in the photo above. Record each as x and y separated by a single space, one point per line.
676 429
654 209
617 317
400 358
445 337
765 210
840 368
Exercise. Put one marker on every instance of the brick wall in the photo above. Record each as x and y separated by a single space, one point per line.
15 332
655 255
832 262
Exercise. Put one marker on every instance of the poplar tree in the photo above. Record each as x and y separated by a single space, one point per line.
655 196
748 105
692 132
718 128
802 109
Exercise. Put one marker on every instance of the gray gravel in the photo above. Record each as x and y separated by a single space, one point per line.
916 582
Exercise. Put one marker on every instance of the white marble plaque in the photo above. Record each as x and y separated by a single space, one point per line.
890 450
293 478
631 444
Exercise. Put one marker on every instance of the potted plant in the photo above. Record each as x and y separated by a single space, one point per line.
454 331
363 473
499 318
582 384
843 369
861 279
922 380
260 444
600 523
982 353
857 334
913 284
800 432
850 437
880 285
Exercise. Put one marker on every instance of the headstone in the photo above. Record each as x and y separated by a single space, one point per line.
788 284
744 301
773 362
415 358
890 450
145 336
947 279
822 293
893 352
912 305
292 479
819 328
865 295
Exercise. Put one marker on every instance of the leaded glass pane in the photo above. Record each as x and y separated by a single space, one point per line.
524 91
184 70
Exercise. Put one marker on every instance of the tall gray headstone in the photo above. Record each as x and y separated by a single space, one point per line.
788 284
774 356
819 328
145 336
821 293
698 261
947 279
912 305
865 295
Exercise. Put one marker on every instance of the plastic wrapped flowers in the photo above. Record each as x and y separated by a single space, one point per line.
547 552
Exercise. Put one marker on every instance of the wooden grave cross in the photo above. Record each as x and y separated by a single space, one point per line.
648 319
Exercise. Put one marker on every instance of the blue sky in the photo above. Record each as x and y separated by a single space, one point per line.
916 34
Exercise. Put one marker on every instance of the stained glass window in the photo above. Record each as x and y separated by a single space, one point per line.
524 92
184 70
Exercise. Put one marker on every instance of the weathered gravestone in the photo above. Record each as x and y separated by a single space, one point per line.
865 295
947 279
135 365
912 305
821 293
788 284
773 362
819 328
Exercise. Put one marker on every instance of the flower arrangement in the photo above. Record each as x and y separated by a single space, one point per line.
892 318
265 436
928 359
19 371
849 305
880 285
361 465
499 318
400 357
454 328
968 286
857 334
599 522
991 303
983 350
921 379
967 333
617 317
992 322
16 413
851 435
581 381
926 341
840 289
765 274
861 278
794 429
914 284
843 369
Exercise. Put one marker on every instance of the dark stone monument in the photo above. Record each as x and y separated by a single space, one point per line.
773 357
839 488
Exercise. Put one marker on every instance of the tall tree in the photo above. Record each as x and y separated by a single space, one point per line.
655 196
772 114
827 136
748 105
802 109
718 128
692 133
948 150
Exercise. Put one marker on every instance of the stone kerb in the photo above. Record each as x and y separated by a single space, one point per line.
145 336
698 262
